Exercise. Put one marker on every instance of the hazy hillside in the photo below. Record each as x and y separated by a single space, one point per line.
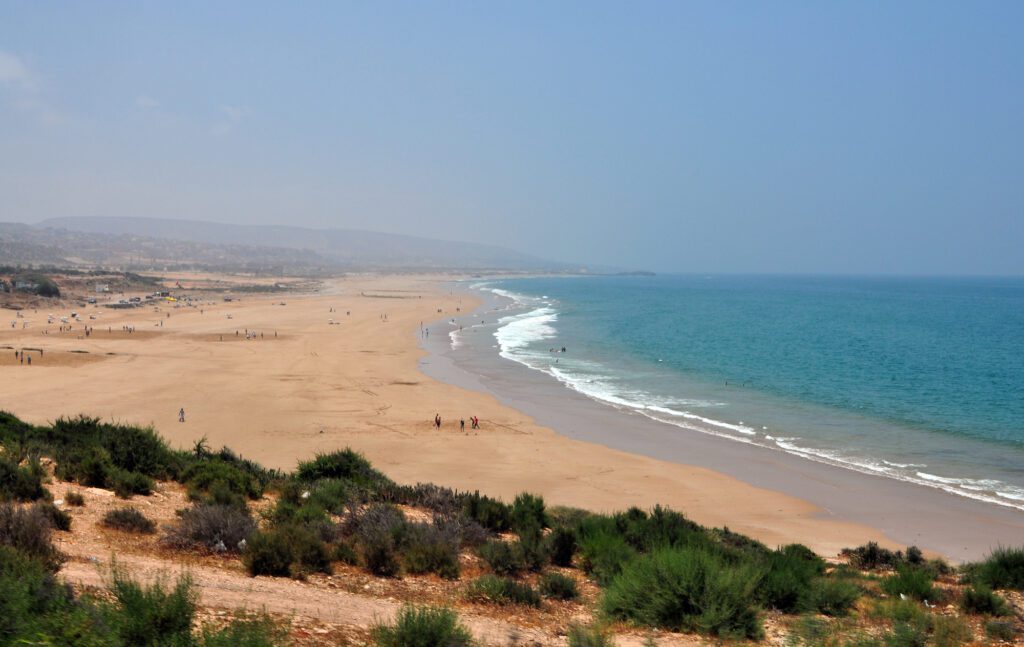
348 248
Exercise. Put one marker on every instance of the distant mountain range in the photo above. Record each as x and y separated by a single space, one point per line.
141 242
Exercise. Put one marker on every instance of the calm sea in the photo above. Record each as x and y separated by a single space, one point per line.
920 379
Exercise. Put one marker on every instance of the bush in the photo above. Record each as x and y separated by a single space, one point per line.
528 512
430 549
830 597
286 550
331 495
423 627
906 611
592 636
380 529
950 631
29 531
501 556
534 551
28 589
604 555
687 590
20 483
152 615
344 553
245 631
74 498
906 635
558 587
871 556
345 465
128 520
563 545
58 518
980 599
489 513
787 583
1004 569
219 528
911 581
1000 630
218 479
125 483
133 449
502 590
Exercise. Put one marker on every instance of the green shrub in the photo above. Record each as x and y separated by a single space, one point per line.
286 550
502 590
830 596
429 549
1003 569
209 476
152 615
906 635
950 631
528 512
687 590
218 528
133 449
74 498
345 465
871 556
1001 630
125 483
344 553
534 551
604 555
906 611
501 556
911 581
59 519
563 545
20 483
332 495
981 600
423 627
29 531
128 520
28 589
245 631
558 586
380 530
787 583
489 513
588 636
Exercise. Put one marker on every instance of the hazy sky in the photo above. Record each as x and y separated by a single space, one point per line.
881 137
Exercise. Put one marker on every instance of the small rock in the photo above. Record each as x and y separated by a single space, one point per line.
219 547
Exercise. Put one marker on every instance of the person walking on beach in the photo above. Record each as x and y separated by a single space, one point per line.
181 415
462 425
437 420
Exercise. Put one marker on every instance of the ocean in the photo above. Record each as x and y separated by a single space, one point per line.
916 379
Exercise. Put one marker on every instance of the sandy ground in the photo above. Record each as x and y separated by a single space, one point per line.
305 385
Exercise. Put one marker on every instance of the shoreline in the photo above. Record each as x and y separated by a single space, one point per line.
959 528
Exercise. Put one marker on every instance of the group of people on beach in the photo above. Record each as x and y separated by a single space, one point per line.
24 358
473 421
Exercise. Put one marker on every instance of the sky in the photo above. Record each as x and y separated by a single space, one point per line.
810 137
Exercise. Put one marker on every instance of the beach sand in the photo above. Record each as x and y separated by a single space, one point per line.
318 386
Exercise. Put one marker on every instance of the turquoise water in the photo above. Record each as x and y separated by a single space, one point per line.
915 379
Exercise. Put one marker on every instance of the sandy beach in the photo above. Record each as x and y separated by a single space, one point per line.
301 384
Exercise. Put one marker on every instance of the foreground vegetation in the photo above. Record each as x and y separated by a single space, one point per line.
652 569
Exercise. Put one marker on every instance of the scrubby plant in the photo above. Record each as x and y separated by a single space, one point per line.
1001 630
871 556
28 530
558 586
787 583
502 590
687 590
71 497
245 631
344 553
980 599
379 531
501 556
218 528
1003 569
18 483
345 465
152 615
489 513
286 550
213 479
604 555
423 627
534 551
528 512
28 590
126 484
59 519
428 548
588 636
562 542
950 631
128 520
912 581
906 635
830 596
